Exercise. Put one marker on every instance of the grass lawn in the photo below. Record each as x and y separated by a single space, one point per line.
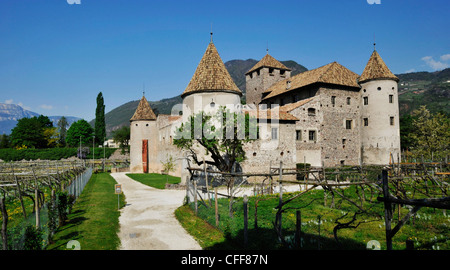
154 179
94 221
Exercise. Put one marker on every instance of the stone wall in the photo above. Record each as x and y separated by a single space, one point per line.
340 138
260 80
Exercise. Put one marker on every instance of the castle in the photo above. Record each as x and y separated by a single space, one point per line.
328 116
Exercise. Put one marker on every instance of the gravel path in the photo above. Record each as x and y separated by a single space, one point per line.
148 222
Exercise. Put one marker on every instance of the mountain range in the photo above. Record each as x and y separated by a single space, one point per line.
11 113
415 89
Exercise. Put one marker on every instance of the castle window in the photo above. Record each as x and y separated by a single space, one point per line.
282 72
333 100
348 124
136 124
274 133
298 135
212 104
379 88
366 100
146 125
257 72
271 71
366 122
311 112
391 98
312 135
288 84
348 101
391 120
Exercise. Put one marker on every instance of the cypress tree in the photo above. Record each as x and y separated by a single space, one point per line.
100 126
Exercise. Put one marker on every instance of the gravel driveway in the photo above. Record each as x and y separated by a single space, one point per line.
148 222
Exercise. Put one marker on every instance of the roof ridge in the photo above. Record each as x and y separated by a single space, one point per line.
268 61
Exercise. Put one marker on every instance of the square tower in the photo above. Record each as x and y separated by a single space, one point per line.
263 75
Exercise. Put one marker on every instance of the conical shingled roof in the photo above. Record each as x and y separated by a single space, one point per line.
268 61
143 111
211 75
376 69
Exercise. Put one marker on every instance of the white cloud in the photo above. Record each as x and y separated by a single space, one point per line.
436 65
46 107
9 101
445 57
410 70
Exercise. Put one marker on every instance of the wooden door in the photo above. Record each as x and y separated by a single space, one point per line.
145 156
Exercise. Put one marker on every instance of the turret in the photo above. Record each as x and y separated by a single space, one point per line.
380 129
142 137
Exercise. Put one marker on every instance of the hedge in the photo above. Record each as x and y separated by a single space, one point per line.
49 153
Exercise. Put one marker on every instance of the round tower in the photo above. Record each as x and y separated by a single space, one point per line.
142 137
210 87
380 128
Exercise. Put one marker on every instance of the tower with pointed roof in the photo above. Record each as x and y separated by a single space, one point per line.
143 132
211 86
380 128
263 75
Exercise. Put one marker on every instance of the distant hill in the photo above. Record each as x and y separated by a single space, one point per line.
11 113
424 88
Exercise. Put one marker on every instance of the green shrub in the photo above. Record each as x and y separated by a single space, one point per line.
33 238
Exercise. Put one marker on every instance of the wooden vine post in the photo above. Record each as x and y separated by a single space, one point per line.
281 199
245 221
387 209
36 202
216 207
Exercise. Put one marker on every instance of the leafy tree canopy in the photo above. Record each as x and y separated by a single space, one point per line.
30 132
221 135
122 137
82 129
430 134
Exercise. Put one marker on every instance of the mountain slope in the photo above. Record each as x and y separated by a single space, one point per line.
424 88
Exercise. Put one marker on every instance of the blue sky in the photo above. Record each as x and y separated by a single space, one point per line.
55 57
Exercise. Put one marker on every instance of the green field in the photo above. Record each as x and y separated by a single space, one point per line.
154 179
94 220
